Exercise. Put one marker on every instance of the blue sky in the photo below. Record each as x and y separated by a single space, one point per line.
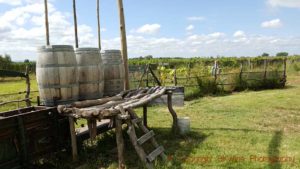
162 28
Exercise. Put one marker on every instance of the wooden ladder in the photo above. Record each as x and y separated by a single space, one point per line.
133 122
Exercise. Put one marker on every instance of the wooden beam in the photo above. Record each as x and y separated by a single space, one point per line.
47 23
75 24
99 28
123 43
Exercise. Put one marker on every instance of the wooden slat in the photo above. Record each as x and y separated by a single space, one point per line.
152 156
145 137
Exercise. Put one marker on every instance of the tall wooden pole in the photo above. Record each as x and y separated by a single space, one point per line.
75 23
123 42
47 23
99 28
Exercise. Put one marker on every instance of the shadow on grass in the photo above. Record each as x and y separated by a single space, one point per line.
103 152
274 150
177 148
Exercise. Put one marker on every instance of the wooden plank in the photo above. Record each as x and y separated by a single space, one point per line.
152 156
145 137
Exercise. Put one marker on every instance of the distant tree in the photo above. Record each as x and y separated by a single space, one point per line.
7 58
265 55
26 61
149 57
282 54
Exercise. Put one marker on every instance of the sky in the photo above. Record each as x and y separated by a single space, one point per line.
162 28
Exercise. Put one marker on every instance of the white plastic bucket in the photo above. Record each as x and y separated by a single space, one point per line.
184 125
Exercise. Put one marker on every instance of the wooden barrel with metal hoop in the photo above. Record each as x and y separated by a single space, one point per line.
90 72
114 72
57 75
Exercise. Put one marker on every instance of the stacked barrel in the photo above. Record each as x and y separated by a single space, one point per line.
65 75
57 75
90 72
113 72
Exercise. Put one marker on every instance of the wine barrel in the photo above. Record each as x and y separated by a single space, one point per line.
56 75
114 72
90 72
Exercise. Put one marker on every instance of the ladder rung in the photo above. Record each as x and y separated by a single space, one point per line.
137 120
145 137
152 156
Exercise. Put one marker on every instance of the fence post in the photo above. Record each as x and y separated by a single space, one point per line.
265 68
147 76
249 63
284 71
175 77
241 72
216 66
28 102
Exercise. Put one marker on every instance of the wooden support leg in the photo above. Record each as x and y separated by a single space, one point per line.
172 111
145 115
73 139
92 125
120 142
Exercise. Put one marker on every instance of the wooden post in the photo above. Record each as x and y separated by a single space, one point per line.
99 28
73 139
241 72
123 42
172 111
265 69
120 142
284 72
75 24
145 112
47 23
216 71
92 126
175 76
28 102
147 76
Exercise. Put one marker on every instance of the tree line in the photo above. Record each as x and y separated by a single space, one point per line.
6 63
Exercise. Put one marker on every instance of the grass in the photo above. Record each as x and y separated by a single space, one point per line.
230 131
14 85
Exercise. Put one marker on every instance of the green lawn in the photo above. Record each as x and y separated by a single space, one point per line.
232 131
243 130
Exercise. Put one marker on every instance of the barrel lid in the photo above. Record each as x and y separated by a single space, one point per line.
55 48
87 49
112 51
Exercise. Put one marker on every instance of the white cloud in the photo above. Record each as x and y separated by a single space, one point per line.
217 35
149 29
275 23
239 34
11 2
284 3
22 29
190 28
196 18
